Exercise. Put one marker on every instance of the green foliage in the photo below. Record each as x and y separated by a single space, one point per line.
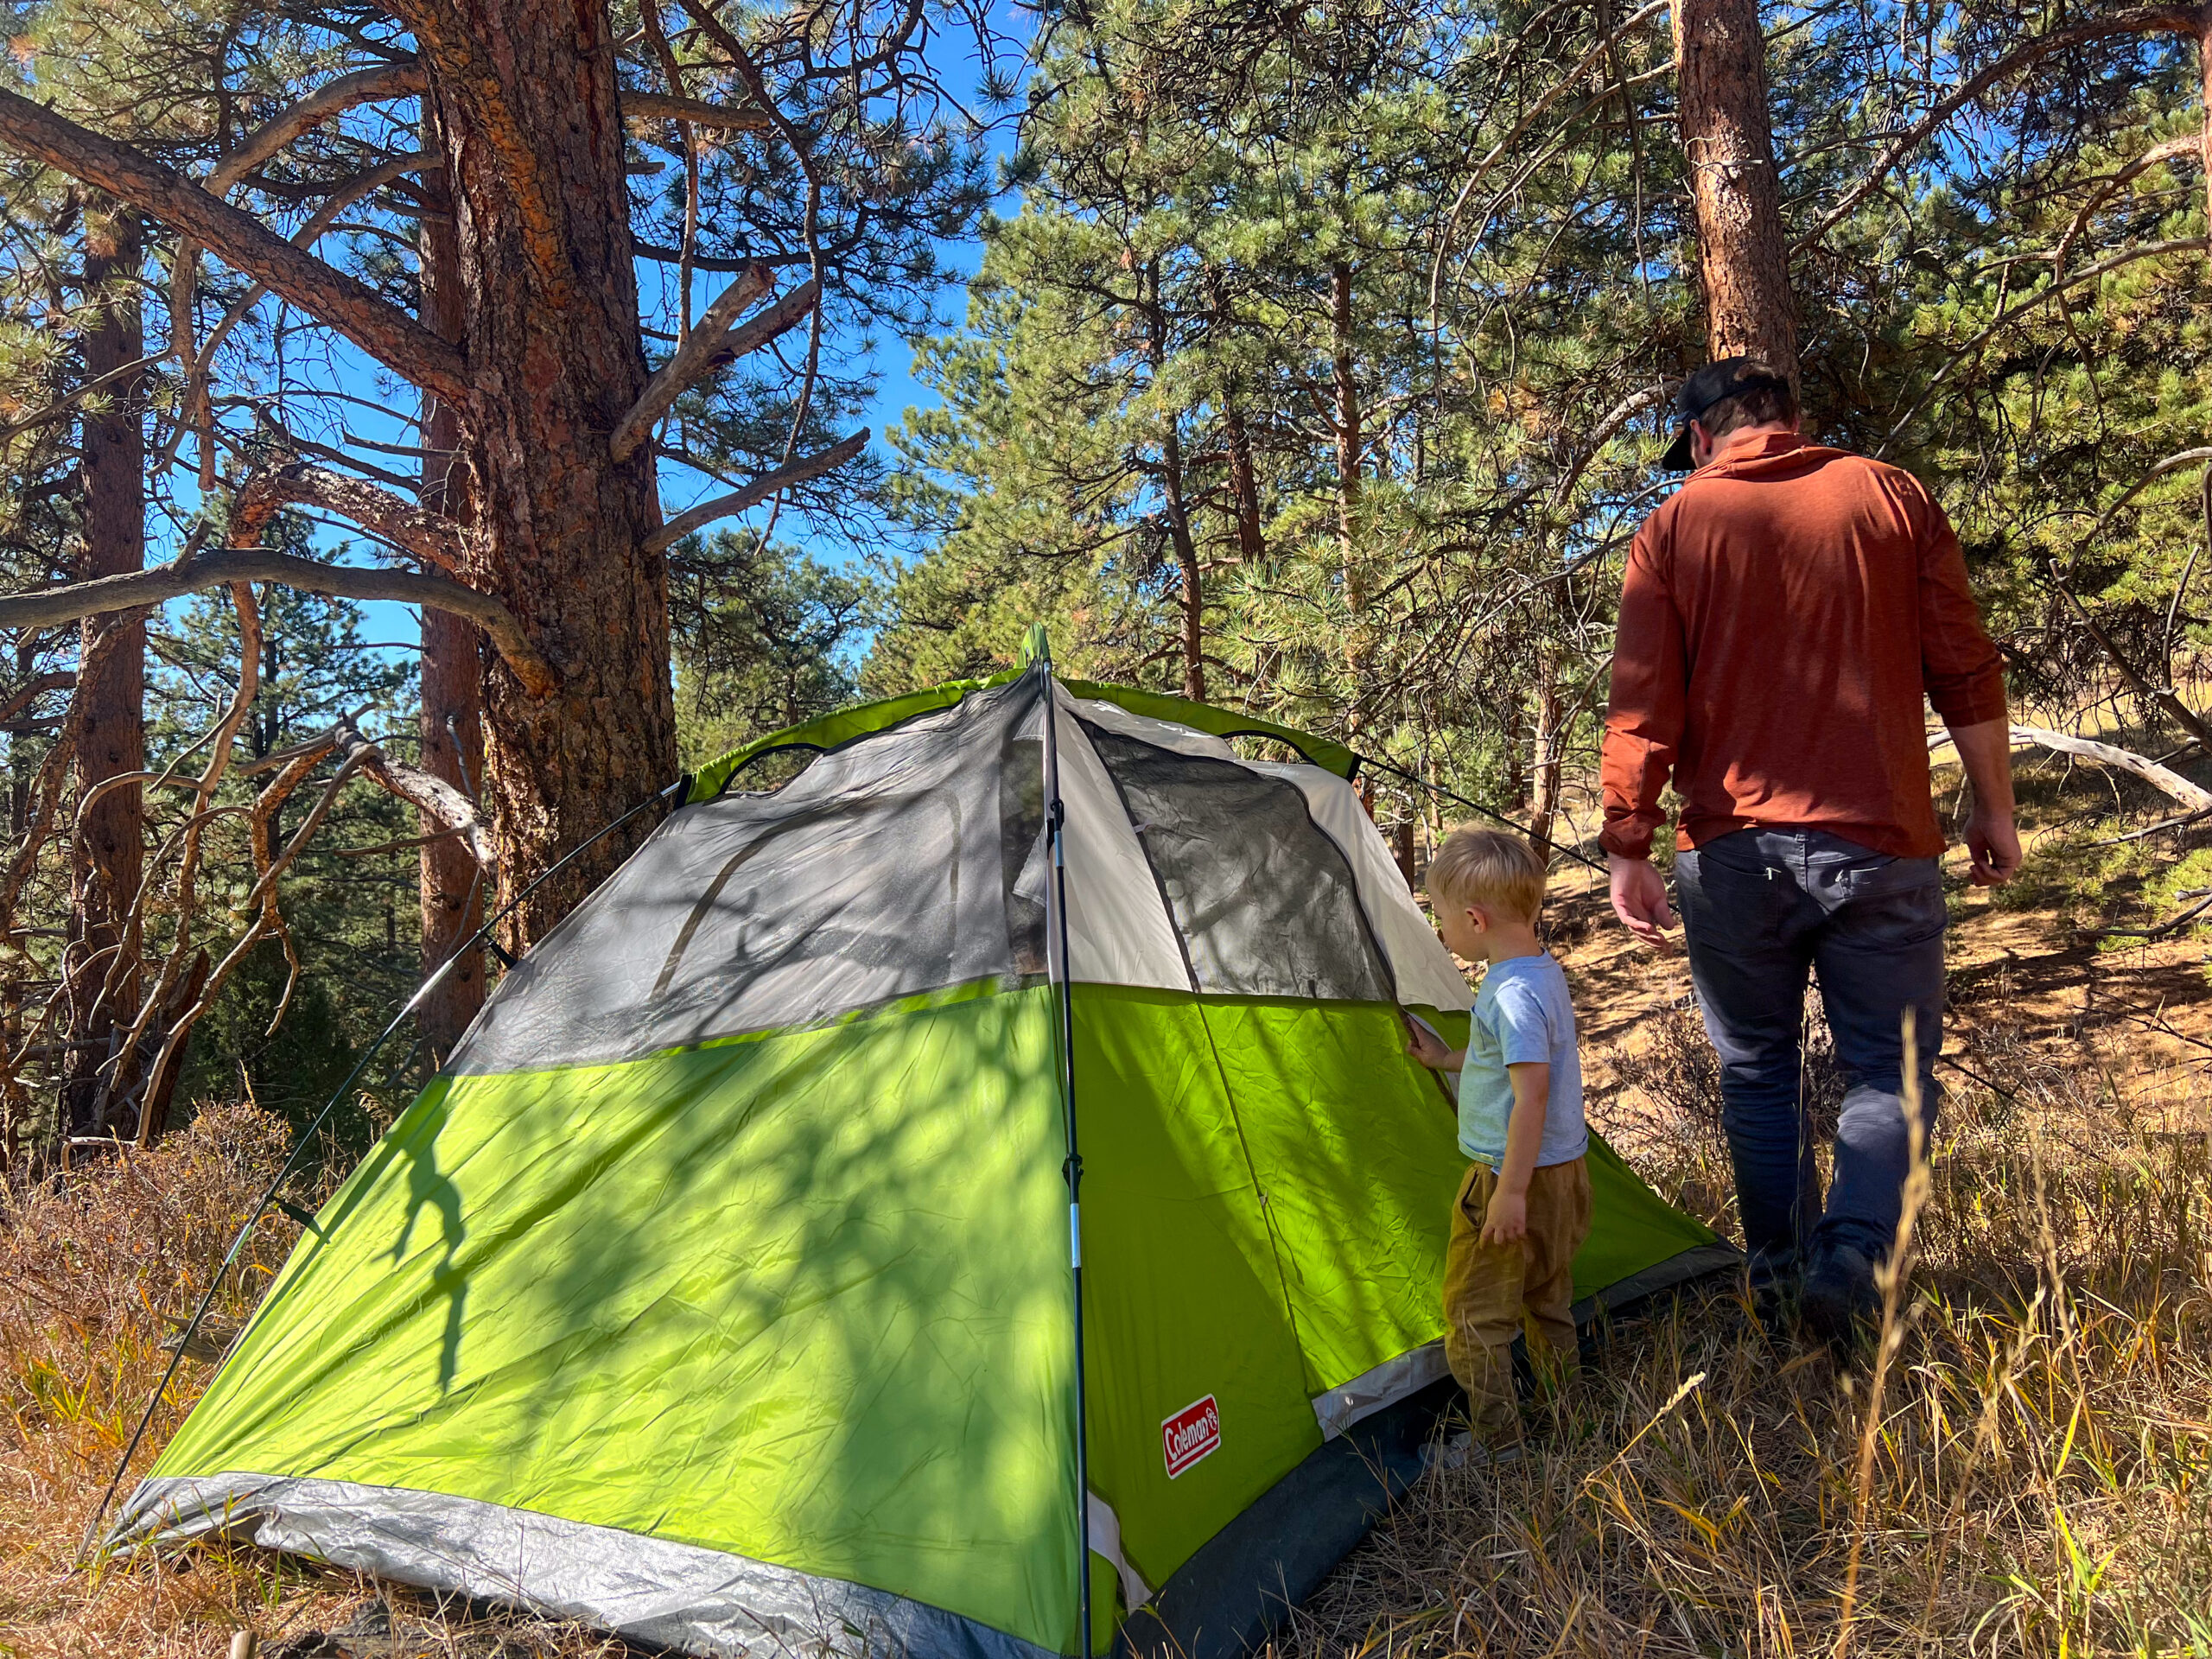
1431 268
766 638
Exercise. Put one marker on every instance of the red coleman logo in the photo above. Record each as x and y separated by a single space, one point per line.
1191 1433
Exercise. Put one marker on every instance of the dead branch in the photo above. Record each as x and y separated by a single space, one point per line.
16 701
333 98
46 605
433 797
663 107
2192 798
378 327
686 363
431 537
751 495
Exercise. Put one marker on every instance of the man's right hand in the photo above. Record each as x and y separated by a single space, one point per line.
1640 900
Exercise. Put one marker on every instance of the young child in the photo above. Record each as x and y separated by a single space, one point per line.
1524 1209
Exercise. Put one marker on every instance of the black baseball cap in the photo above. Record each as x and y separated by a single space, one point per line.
1725 379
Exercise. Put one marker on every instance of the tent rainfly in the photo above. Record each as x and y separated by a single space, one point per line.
729 1288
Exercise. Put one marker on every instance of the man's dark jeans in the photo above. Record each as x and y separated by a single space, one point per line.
1761 908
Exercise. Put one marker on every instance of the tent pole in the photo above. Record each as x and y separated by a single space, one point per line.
1056 923
1373 765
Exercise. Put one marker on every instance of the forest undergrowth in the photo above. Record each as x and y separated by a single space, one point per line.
2031 1472
2028 1472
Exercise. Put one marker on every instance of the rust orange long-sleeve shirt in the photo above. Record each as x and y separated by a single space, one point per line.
1782 614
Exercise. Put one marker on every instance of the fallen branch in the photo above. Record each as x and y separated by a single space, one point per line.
2165 697
2191 797
44 608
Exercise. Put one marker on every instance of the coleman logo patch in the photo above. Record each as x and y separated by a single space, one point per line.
1190 1435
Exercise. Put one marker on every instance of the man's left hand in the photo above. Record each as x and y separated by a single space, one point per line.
1993 844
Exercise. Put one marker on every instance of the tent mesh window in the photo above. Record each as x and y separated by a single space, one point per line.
909 863
1264 902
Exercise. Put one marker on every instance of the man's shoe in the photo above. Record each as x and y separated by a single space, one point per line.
1839 1303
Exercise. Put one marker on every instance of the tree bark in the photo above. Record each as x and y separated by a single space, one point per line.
1743 256
1545 752
452 718
1351 444
1243 486
524 95
1184 544
107 854
2204 102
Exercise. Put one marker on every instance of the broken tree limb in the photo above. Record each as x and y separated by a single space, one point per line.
431 537
663 107
686 363
2190 797
44 606
751 495
435 798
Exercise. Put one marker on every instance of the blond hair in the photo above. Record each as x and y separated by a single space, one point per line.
1488 867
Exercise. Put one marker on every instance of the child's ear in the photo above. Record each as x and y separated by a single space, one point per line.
1479 917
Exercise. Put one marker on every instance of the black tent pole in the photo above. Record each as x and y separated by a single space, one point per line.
1055 822
1373 765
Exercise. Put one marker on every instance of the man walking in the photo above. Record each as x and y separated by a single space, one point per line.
1781 617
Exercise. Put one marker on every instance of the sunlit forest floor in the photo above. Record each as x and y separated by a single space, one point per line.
2029 1472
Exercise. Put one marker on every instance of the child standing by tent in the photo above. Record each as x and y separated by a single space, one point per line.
1524 1209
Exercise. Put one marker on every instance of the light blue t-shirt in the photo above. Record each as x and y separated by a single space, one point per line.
1522 1014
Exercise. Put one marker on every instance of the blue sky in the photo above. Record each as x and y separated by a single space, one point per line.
891 359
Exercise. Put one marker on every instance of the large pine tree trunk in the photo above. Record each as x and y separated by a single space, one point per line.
452 718
107 854
525 92
1743 256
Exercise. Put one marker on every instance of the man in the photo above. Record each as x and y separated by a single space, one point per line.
1782 616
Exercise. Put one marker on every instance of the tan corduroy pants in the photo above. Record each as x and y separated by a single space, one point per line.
1488 1289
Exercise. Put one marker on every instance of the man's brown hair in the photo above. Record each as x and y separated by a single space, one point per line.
1757 406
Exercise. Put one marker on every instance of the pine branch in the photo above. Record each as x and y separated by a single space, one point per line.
686 363
722 507
2146 20
381 329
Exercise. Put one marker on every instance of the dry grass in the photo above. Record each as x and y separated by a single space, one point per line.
2031 1472
2036 1477
93 1272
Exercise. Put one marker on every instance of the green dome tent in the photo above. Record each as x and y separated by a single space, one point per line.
726 1289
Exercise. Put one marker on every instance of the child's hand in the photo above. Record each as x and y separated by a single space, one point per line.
1507 1220
1428 1048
